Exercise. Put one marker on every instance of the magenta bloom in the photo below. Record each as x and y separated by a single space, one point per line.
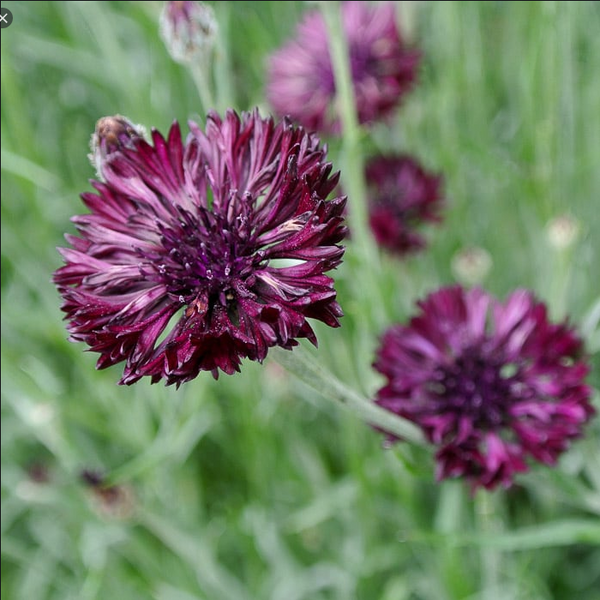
490 383
301 81
198 254
402 196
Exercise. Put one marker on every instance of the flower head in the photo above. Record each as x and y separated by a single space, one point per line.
490 383
402 196
301 80
197 254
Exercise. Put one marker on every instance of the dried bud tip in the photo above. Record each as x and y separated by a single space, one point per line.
111 135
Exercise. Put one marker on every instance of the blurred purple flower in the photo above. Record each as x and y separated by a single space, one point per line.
198 254
301 80
489 383
402 196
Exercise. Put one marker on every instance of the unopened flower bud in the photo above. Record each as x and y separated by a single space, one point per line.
111 135
471 265
562 231
189 29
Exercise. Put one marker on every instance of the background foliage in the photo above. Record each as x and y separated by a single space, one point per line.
253 487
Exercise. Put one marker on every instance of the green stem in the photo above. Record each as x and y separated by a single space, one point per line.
559 284
311 372
362 251
201 75
449 523
354 168
224 88
489 525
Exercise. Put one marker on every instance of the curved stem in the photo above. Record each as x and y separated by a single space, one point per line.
310 371
354 168
201 75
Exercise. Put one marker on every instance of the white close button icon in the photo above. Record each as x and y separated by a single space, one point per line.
6 17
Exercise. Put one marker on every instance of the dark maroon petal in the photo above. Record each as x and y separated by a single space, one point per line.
490 383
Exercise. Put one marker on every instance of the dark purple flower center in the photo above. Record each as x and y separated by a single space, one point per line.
479 387
360 62
207 254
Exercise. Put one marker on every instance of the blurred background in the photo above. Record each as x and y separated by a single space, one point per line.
252 486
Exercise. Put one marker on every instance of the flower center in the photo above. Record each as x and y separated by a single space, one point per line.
479 387
206 253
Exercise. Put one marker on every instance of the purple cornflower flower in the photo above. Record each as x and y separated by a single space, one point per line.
301 80
402 196
198 254
490 383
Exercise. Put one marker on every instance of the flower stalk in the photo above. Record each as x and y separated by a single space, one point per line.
201 76
491 559
308 370
353 163
189 30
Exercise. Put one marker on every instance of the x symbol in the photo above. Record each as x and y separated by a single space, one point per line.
6 17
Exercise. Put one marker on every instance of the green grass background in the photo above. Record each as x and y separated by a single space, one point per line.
254 487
